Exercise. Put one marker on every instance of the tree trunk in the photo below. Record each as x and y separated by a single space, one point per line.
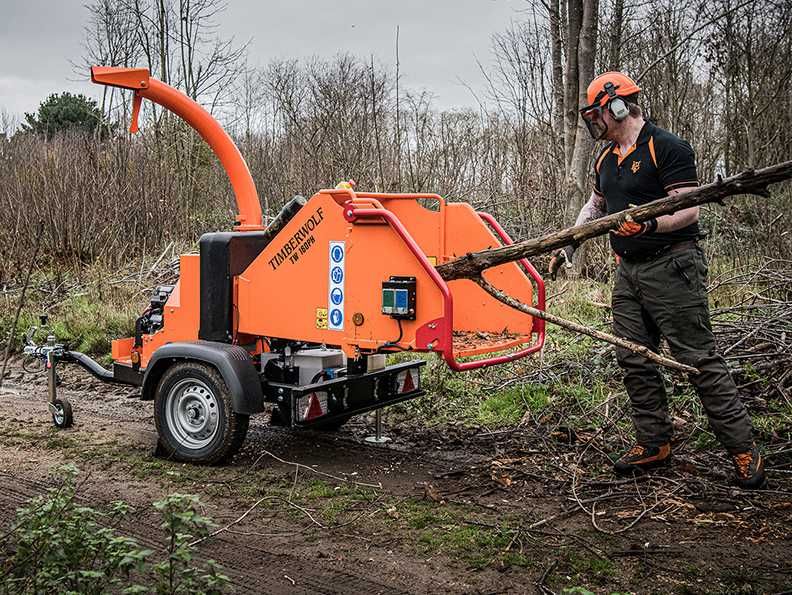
617 25
578 181
574 23
556 54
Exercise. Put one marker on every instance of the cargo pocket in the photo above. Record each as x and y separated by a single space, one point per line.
691 269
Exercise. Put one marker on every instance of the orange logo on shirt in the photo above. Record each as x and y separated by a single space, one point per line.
636 165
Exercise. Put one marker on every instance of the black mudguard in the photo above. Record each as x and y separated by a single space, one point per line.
232 361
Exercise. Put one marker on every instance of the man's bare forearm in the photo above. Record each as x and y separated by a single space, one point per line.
593 209
678 220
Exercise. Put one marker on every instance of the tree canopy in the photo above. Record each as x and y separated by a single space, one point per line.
64 112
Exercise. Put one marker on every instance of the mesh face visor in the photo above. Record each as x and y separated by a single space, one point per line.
592 116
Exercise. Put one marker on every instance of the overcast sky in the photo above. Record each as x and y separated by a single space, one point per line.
439 40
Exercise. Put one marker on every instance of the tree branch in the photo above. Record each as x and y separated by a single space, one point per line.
584 330
755 182
688 37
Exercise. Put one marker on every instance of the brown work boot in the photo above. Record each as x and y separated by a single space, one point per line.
749 469
641 458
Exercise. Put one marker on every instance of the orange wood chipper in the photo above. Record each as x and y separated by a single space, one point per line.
301 314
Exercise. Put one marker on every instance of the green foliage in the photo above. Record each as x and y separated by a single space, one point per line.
89 325
64 112
86 322
62 547
59 546
183 525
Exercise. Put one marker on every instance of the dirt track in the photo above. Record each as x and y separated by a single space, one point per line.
315 534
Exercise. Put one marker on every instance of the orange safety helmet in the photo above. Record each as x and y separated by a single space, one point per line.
606 92
623 86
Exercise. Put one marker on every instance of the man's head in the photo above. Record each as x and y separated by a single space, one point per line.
612 99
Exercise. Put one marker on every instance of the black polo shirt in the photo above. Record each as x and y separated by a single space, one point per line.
658 162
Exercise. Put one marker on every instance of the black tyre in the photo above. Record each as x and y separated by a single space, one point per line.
194 415
62 415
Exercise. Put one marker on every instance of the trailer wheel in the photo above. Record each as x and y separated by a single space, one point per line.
62 415
194 415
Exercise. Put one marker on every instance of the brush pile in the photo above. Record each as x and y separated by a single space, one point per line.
754 331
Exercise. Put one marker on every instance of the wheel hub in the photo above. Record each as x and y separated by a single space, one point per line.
192 413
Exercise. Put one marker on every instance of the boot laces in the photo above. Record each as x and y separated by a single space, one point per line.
636 451
743 463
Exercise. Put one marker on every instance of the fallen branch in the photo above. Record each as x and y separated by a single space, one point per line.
249 510
755 182
232 523
377 486
583 330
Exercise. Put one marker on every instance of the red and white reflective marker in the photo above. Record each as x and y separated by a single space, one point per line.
316 407
405 382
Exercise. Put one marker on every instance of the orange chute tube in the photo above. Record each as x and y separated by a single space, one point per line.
141 82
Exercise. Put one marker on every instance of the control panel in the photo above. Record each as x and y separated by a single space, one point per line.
398 297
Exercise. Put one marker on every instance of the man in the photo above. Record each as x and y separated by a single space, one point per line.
660 286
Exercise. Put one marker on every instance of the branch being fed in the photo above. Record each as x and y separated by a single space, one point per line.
584 330
747 182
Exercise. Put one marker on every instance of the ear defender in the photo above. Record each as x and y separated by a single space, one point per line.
616 105
618 109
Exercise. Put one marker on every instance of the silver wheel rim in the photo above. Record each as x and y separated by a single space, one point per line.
59 415
191 412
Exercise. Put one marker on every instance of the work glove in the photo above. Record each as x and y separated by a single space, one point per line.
630 228
561 257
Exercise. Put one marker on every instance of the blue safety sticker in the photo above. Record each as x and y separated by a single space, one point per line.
336 296
337 275
337 254
335 288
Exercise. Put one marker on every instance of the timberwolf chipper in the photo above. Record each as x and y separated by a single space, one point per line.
301 314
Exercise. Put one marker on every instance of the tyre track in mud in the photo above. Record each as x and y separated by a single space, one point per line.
257 564
92 399
252 568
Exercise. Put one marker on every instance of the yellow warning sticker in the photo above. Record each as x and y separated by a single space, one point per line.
321 318
432 260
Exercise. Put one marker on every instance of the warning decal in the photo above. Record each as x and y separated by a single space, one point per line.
335 292
407 381
312 405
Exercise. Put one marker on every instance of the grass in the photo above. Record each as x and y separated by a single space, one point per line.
430 529
90 317
507 407
87 319
451 530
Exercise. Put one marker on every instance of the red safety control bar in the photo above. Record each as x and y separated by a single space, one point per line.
445 325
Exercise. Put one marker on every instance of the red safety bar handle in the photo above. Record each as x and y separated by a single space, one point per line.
446 343
539 324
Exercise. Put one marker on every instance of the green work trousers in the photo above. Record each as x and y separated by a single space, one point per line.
667 296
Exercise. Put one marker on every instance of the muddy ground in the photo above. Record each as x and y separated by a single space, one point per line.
448 509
